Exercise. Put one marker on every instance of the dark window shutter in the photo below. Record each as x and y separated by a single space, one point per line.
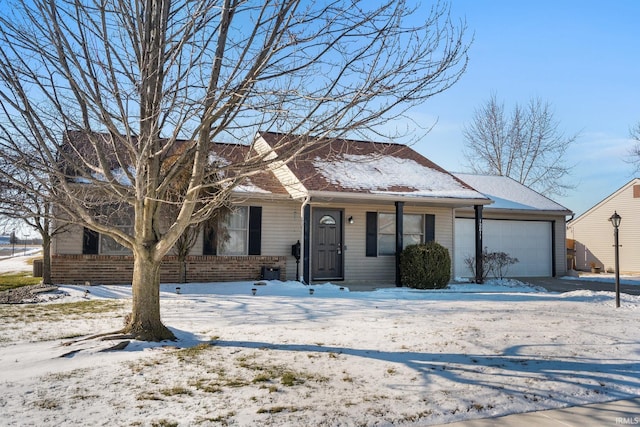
372 234
90 241
210 243
429 228
255 230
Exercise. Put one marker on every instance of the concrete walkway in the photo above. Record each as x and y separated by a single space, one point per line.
615 413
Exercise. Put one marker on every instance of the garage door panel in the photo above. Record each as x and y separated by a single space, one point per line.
529 241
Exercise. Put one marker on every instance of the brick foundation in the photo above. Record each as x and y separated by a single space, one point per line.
110 270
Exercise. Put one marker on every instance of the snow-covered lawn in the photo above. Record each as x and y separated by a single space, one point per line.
286 357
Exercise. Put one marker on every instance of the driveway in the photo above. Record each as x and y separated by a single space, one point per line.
554 284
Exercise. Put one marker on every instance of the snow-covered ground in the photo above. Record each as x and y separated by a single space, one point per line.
334 358
14 260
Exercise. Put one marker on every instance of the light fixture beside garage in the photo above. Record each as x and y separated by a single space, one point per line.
615 221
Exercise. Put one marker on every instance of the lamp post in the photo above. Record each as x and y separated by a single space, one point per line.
615 221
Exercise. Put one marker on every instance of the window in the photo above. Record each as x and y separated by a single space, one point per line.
122 218
412 233
108 246
381 232
96 243
236 224
386 234
413 230
238 233
327 220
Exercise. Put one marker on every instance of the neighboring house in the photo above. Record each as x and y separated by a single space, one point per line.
593 232
521 222
341 202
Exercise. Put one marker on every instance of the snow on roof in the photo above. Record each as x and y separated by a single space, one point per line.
249 187
118 174
336 165
508 193
391 175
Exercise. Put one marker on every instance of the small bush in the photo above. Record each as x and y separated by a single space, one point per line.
500 264
425 266
495 263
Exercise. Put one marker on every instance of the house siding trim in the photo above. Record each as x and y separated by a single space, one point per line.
594 235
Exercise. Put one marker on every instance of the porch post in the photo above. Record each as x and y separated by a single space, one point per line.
399 240
479 266
306 242
553 249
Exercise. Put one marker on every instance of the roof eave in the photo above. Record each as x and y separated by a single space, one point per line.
390 198
259 195
546 212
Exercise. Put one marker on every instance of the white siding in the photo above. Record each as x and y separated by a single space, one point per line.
281 228
381 269
593 232
69 242
561 246
290 182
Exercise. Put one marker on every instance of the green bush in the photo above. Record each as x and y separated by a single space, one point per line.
425 266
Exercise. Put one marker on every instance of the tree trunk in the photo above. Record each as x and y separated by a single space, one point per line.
145 323
46 260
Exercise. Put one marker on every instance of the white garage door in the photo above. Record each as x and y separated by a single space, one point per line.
529 241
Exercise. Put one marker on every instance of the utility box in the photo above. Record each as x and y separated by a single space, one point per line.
270 273
38 267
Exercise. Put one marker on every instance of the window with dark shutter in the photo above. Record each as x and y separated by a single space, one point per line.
255 230
372 234
90 239
429 228
210 243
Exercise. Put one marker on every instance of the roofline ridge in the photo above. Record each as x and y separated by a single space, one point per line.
334 138
610 196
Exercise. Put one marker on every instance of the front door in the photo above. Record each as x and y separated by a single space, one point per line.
327 245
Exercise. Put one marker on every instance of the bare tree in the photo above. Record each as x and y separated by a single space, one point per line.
25 200
634 152
526 145
154 75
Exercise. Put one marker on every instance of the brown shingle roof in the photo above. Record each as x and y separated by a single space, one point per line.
77 143
263 179
381 167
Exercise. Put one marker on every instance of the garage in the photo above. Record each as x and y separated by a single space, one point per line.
529 241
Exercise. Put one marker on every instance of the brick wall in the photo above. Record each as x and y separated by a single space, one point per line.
111 269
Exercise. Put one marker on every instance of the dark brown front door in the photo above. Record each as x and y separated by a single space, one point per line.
327 245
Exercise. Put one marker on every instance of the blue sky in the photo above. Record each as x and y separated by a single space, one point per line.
583 57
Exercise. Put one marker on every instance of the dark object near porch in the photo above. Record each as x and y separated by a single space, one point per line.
38 267
270 273
296 252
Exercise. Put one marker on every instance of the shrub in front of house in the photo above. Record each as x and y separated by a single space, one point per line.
425 266
495 263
